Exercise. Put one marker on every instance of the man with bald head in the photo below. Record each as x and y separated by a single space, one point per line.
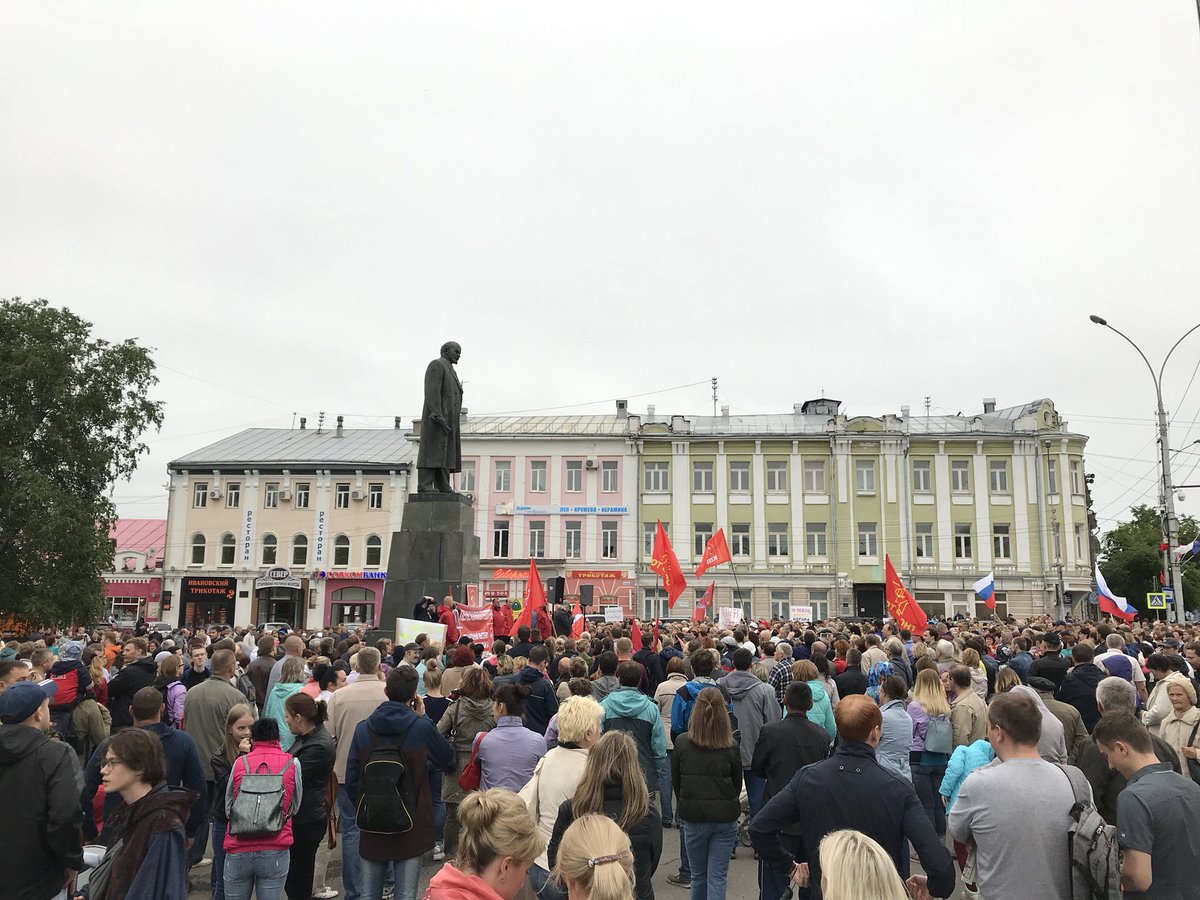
293 645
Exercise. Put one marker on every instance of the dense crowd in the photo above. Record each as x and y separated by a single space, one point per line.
547 764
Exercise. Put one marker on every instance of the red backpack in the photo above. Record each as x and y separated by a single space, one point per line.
68 689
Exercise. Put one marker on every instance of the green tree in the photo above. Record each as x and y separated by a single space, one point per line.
73 410
1132 559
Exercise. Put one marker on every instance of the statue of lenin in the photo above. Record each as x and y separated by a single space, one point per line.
440 451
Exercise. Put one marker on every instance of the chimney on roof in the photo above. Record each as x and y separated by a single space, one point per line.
989 404
462 413
623 408
303 423
396 423
904 412
339 426
724 412
797 409
650 411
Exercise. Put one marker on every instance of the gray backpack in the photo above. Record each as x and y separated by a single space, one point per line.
1092 846
257 809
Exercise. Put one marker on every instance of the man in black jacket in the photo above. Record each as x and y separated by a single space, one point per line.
562 621
1051 665
543 702
138 672
848 790
1079 686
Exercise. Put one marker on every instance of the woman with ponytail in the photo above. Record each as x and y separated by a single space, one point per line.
314 750
497 844
595 861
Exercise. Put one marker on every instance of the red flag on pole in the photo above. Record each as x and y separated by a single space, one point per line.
666 564
577 621
635 635
700 613
901 605
535 599
716 551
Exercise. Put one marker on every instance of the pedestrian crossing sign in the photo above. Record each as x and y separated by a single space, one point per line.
1156 601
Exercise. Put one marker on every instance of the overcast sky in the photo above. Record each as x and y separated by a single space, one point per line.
296 204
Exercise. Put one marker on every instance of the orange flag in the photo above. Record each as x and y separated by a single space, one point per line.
666 564
716 551
901 605
700 613
535 598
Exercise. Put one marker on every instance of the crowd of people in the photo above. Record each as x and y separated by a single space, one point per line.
546 764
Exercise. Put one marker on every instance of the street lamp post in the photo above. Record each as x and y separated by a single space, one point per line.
1170 521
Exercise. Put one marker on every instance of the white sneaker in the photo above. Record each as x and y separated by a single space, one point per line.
439 852
207 861
326 893
969 894
389 891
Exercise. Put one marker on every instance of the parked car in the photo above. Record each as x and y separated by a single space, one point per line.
272 627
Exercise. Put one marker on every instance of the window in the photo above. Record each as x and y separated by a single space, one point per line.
609 476
924 541
739 539
1001 542
656 604
864 476
341 551
868 539
702 477
537 476
270 549
649 529
777 477
271 495
982 613
781 605
303 489
703 532
656 480
466 478
1076 478
814 539
228 549
374 554
299 550
233 494
739 477
921 481
198 547
1078 542
574 476
819 601
503 480
777 539
1051 476
814 476
608 540
341 495
960 476
200 495
574 539
500 539
375 496
998 476
962 542
537 539
741 600
1057 544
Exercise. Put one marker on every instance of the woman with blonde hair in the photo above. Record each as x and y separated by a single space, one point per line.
929 705
1006 680
822 709
970 659
595 861
855 867
498 843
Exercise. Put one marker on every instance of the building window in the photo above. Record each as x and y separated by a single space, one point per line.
656 604
777 539
271 495
741 600
228 549
998 476
649 530
921 480
864 476
303 490
198 548
777 477
270 549
962 542
574 531
1001 542
657 479
574 476
200 495
982 613
537 539
341 496
814 476
1051 476
739 477
374 554
739 535
703 532
819 601
500 539
960 476
814 539
1076 478
299 550
702 477
466 478
341 551
375 496
537 476
503 480
924 541
233 494
608 476
608 540
1078 542
781 605
868 540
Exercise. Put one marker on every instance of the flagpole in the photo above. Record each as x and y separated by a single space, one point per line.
736 587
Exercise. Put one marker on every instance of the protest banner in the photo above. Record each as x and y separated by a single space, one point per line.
476 623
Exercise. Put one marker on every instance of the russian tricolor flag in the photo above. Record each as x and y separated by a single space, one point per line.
985 587
1193 547
1110 602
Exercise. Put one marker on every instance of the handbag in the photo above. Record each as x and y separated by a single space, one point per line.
940 736
472 772
1193 764
529 793
331 794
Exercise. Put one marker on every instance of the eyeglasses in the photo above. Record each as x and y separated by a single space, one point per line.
108 762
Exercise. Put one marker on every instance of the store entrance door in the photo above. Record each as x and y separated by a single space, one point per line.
202 615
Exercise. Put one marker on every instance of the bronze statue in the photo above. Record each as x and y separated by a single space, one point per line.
440 451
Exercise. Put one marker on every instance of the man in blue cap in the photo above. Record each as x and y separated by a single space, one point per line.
40 778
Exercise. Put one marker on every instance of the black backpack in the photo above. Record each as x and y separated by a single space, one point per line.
387 797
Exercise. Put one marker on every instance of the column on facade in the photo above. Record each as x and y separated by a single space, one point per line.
981 493
945 521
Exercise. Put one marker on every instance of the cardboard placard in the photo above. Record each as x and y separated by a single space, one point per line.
613 614
729 616
802 613
408 629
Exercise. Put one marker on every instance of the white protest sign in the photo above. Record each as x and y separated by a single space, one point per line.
613 614
802 613
408 629
729 616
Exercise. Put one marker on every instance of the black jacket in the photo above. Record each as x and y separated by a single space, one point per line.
221 769
1079 689
132 678
851 790
653 665
1052 667
784 748
315 753
852 681
645 838
542 703
40 782
707 782
562 622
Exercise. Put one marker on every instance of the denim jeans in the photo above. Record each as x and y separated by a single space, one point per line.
928 782
351 864
664 789
710 844
218 859
261 872
774 885
200 844
543 885
685 867
407 873
439 806
755 785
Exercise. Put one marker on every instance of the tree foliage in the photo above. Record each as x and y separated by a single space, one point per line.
1132 558
73 410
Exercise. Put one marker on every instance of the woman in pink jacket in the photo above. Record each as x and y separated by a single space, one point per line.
258 863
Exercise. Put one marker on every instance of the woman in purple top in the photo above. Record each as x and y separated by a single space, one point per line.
508 753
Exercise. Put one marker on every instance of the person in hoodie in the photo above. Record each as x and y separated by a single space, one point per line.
39 781
628 709
138 672
90 721
291 680
400 719
822 709
172 688
1052 745
963 761
542 703
467 716
755 706
703 663
606 682
509 752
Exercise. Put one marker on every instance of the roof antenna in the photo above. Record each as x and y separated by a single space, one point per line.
320 421
927 405
714 385
293 418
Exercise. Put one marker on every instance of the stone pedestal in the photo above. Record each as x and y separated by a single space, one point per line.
435 552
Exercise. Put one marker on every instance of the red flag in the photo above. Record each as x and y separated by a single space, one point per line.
635 635
901 605
666 564
576 621
700 613
716 551
535 598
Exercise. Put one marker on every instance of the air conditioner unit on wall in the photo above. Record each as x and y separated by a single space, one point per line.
215 493
285 495
591 464
358 495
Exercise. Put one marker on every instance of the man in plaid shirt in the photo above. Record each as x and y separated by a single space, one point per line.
781 675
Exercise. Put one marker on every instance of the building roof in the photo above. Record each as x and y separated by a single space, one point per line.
139 535
300 447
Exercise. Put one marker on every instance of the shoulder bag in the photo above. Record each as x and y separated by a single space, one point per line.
472 772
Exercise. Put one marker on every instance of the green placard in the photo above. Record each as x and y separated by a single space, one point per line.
1156 601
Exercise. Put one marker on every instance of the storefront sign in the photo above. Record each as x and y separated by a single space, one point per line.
194 590
517 509
279 577
511 575
339 575
495 591
319 527
248 535
588 575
